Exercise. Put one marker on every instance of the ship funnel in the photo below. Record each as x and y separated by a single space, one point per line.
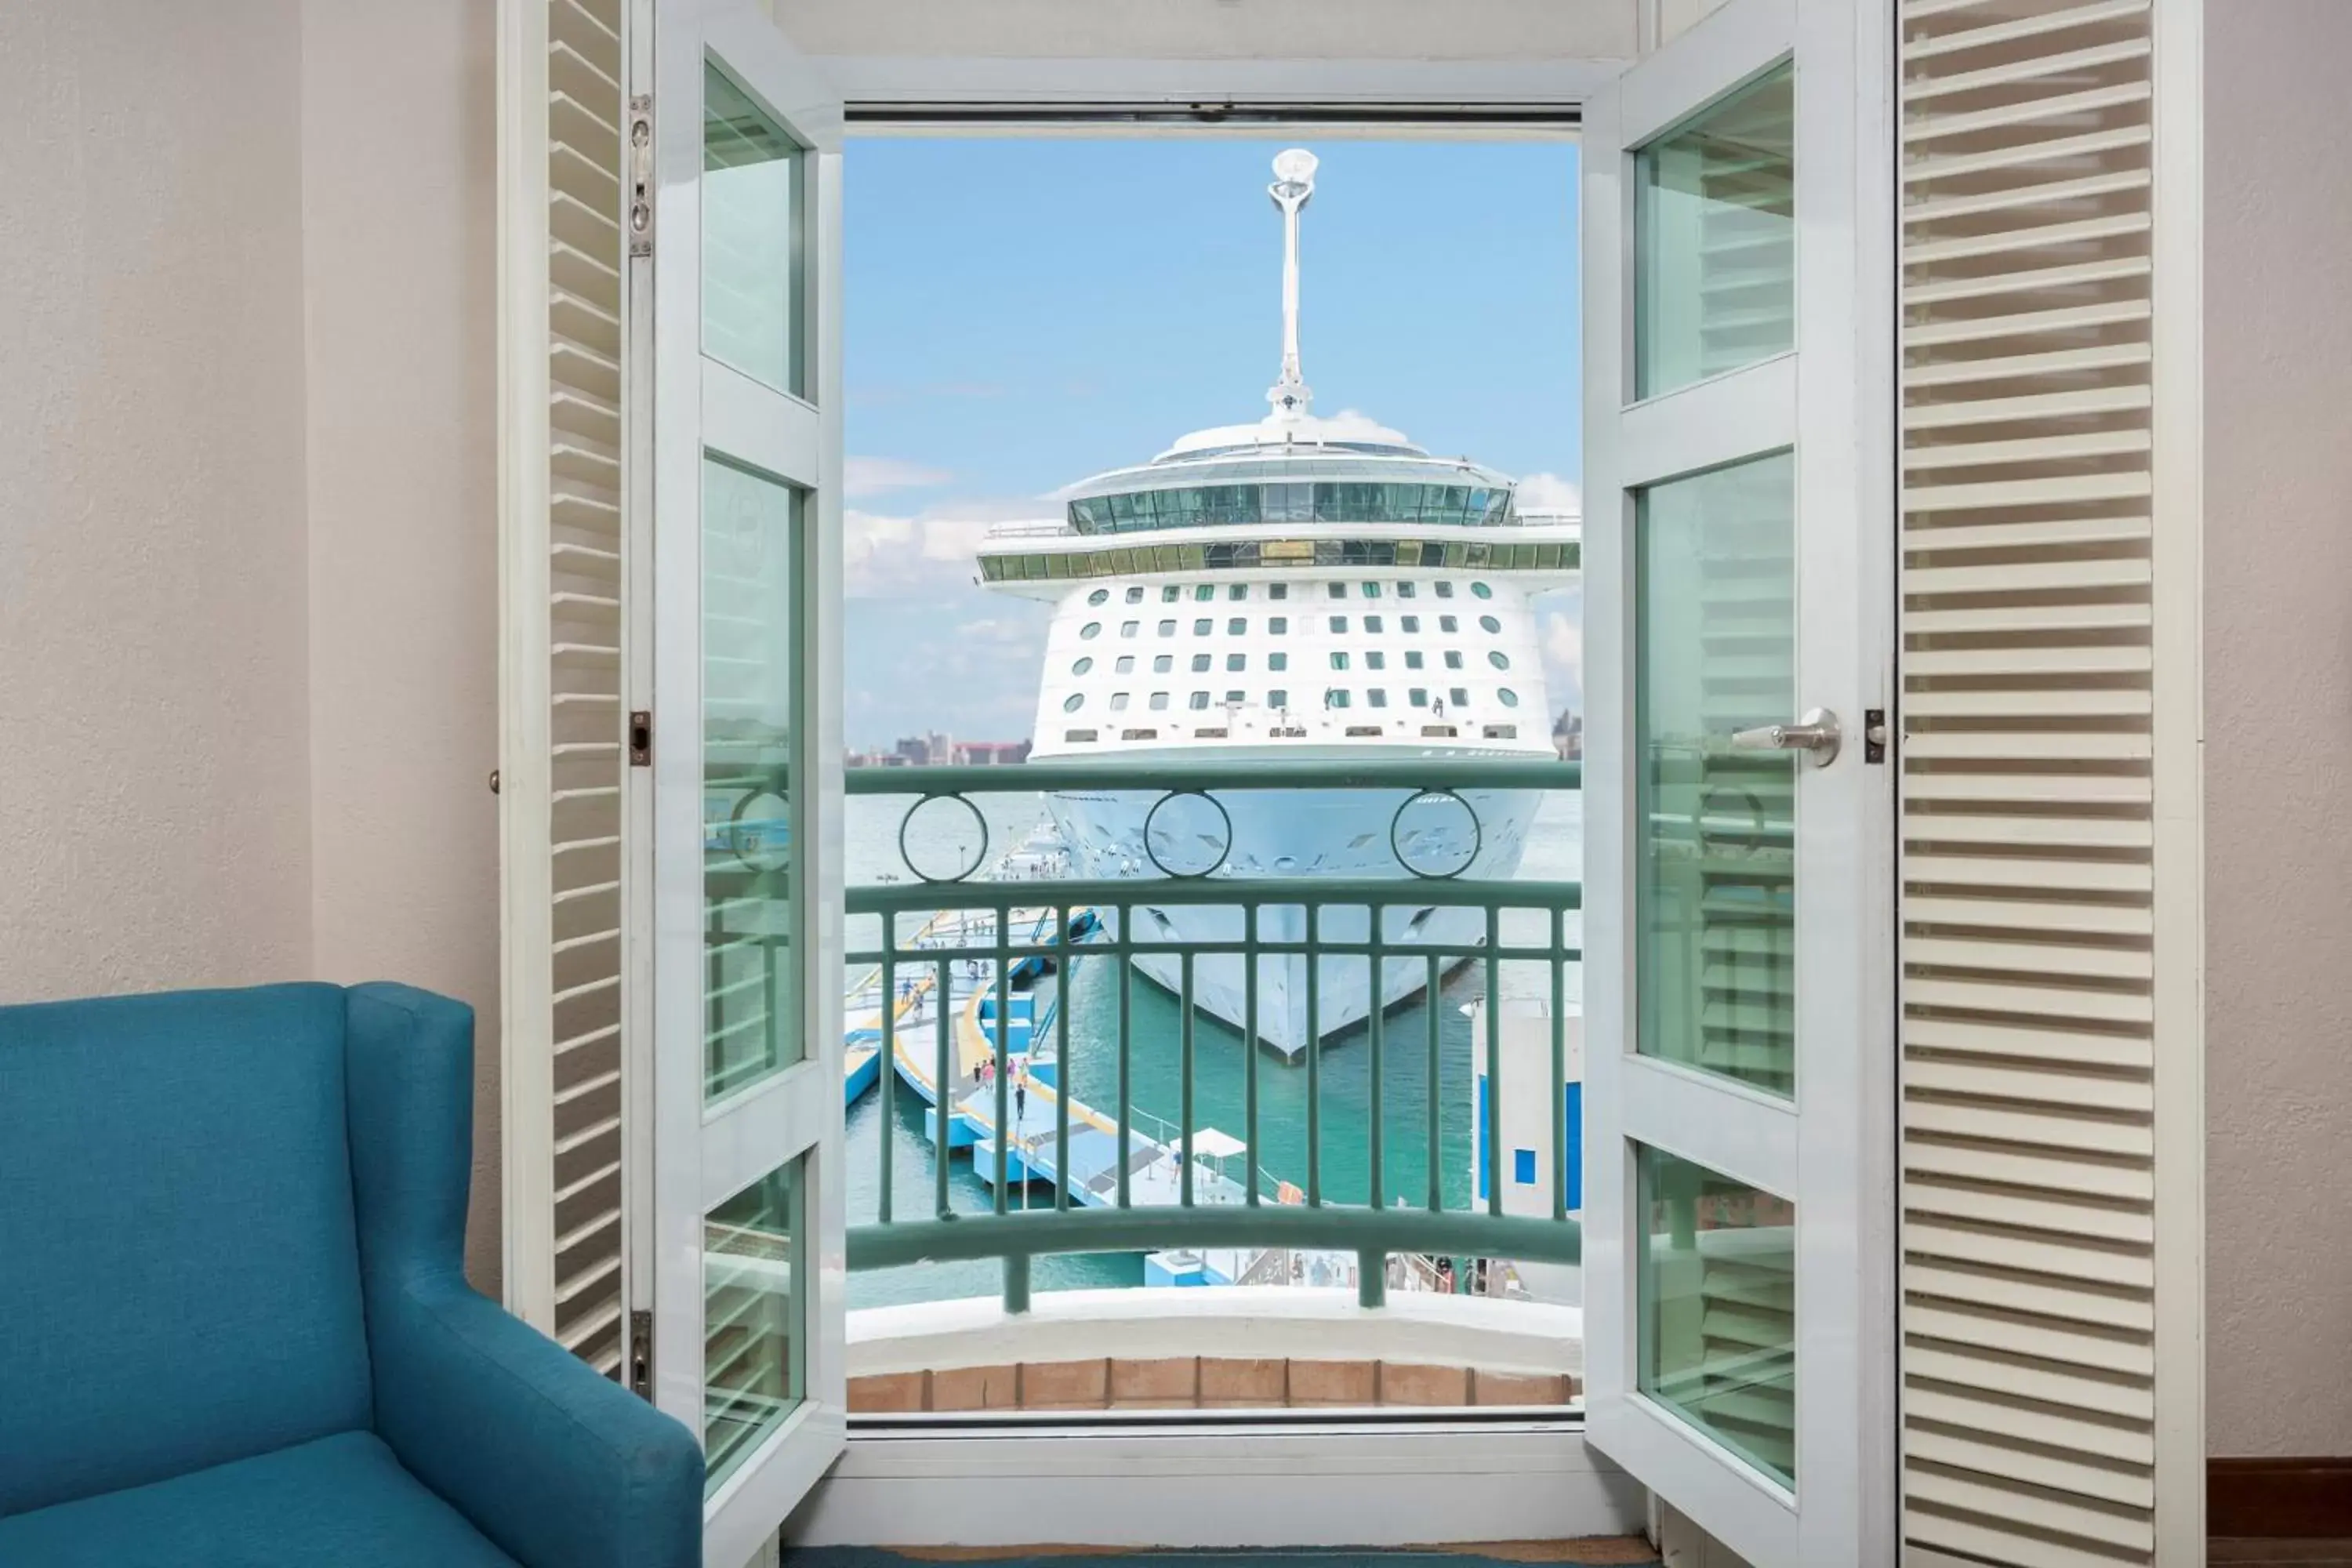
1294 182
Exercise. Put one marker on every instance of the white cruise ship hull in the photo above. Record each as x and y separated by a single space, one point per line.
1307 835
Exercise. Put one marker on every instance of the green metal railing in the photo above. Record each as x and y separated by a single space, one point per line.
921 936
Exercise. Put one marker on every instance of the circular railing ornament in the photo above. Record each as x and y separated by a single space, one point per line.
1175 834
1434 798
979 854
762 843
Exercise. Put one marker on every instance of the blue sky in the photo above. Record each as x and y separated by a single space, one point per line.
1025 313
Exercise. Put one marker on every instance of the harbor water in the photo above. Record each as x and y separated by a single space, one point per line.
939 837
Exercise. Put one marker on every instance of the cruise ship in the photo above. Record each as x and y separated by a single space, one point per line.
1290 589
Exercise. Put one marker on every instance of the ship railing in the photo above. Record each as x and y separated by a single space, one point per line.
1334 1188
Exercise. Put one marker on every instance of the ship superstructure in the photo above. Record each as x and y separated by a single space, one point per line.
1299 589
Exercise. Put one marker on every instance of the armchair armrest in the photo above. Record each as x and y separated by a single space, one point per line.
558 1465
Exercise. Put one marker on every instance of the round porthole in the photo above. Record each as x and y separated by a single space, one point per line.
1482 591
1511 698
1489 623
1074 701
1090 631
1099 596
1499 659
1083 666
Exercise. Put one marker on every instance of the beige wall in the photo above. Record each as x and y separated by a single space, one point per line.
399 204
248 547
2278 728
154 766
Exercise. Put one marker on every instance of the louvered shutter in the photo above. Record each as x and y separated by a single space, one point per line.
562 113
2030 807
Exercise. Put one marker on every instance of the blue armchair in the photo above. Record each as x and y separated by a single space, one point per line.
232 1325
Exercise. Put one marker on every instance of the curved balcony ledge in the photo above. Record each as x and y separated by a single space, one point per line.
1155 1348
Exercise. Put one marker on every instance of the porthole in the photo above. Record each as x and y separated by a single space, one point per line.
1481 591
1083 666
1099 596
1511 698
1074 701
1489 623
1090 631
1499 658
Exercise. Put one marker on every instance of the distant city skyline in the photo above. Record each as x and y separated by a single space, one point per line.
1024 313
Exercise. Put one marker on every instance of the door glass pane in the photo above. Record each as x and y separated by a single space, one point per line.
1719 1308
753 1351
1714 274
1715 629
751 539
751 279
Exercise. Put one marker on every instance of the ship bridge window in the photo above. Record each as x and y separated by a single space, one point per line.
1200 662
1376 660
1236 661
1074 701
1460 696
1499 658
1338 623
1290 503
1338 661
1238 592
1336 590
1200 702
1100 596
1167 629
1119 701
1083 666
1406 589
1335 697
1135 594
1236 626
1126 665
1453 658
1378 697
1373 623
1277 590
1445 590
1159 701
1448 624
1091 630
1277 661
1128 628
1511 698
1204 591
1162 663
1203 626
1482 591
1412 659
1489 623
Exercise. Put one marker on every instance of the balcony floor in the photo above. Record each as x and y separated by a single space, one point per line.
1591 1552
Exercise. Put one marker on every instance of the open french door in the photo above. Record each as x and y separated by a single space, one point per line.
736 218
1738 1201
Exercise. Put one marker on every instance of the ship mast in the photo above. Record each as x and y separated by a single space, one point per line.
1294 182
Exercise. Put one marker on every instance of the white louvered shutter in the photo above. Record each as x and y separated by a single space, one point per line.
562 113
2029 802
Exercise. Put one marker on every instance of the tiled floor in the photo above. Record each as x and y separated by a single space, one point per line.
2247 1551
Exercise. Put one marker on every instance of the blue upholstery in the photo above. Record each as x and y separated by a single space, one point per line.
231 1230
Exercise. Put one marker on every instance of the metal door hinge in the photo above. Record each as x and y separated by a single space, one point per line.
641 738
641 1354
1873 735
641 174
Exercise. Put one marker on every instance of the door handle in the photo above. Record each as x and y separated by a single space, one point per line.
1817 733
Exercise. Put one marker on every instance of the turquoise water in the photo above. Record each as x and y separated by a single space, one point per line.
1219 1082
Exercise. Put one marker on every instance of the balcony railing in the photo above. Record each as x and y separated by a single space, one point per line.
952 959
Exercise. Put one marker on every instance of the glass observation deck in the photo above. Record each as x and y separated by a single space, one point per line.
1478 505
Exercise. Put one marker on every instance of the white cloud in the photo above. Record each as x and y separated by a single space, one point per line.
1563 654
886 555
1550 492
1355 425
875 475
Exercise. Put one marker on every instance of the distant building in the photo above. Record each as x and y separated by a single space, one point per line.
1568 736
992 753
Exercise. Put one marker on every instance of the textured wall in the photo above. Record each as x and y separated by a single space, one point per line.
155 794
399 203
2278 727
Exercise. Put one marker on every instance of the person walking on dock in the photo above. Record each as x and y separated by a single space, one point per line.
1020 1095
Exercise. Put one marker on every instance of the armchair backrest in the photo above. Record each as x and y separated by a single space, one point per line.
179 1267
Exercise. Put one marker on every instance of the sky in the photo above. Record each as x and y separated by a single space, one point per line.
1025 313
